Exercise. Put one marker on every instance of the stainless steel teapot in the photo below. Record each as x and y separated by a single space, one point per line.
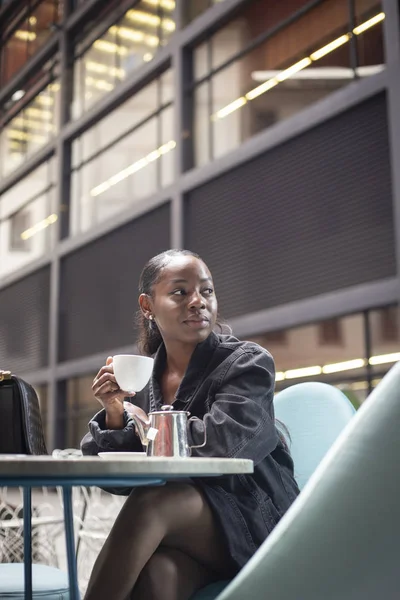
165 432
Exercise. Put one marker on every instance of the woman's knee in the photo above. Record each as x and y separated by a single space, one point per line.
171 575
160 571
167 500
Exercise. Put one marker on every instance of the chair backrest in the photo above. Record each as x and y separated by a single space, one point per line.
21 430
341 536
314 414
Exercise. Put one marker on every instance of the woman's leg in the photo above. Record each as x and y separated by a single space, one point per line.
177 516
171 575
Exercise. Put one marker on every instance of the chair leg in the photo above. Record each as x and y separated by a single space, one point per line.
82 520
28 542
70 542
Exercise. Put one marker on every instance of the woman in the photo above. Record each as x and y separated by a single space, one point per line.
170 541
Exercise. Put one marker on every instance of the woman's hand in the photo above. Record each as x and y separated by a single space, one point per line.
107 391
105 387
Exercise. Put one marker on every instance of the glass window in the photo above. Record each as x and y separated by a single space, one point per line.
369 37
255 19
27 216
295 66
330 332
35 28
166 160
202 125
124 47
332 351
30 129
384 325
194 8
131 113
81 407
125 157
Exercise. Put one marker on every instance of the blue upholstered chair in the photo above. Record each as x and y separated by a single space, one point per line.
314 414
48 583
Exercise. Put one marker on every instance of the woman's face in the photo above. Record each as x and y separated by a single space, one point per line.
183 301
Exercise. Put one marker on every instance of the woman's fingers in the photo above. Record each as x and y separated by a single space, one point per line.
109 389
105 369
103 378
110 399
105 387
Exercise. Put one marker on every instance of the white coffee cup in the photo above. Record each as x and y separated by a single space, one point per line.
132 371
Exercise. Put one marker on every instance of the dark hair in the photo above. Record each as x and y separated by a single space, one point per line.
149 334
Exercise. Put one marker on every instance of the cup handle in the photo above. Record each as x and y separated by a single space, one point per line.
205 433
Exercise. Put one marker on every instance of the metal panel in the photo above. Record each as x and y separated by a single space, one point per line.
309 217
24 325
98 298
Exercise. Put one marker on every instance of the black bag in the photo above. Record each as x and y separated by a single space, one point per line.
21 430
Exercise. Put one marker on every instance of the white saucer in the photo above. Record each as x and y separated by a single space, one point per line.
121 455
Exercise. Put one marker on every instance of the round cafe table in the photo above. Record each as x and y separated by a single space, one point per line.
18 470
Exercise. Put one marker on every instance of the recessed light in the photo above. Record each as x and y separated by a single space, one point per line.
17 95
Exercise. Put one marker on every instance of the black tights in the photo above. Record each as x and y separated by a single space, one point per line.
165 545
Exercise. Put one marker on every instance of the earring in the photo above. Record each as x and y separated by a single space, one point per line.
151 317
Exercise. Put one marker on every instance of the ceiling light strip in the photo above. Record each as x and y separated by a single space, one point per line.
303 372
133 168
384 358
28 233
165 4
347 365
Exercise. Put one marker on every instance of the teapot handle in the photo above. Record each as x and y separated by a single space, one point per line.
205 433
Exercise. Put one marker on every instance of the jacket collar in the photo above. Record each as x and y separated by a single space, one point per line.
197 366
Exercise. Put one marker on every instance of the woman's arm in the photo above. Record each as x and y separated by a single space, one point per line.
102 439
99 439
241 421
112 429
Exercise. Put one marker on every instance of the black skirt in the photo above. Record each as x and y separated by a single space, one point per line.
246 518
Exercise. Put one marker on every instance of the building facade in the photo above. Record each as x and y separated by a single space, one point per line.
263 135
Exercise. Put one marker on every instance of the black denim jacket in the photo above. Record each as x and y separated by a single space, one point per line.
229 385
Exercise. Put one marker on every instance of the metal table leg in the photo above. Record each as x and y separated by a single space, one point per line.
70 542
28 542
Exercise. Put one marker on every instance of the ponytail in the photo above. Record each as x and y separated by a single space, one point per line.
149 335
